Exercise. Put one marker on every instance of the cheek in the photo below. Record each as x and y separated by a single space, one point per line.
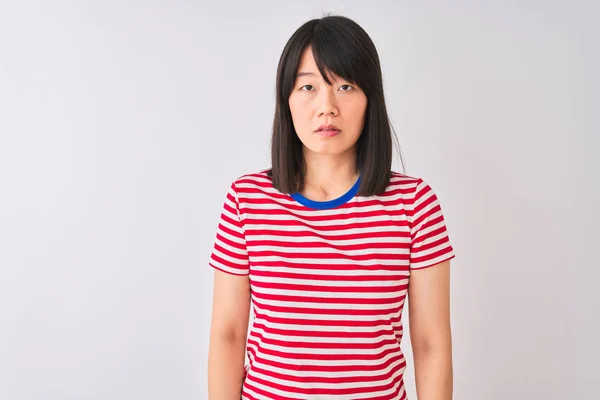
293 104
358 112
299 112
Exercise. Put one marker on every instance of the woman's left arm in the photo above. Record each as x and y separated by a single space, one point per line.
430 335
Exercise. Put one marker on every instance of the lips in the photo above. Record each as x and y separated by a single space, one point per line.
327 127
327 131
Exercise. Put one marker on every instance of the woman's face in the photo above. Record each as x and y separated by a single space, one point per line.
313 103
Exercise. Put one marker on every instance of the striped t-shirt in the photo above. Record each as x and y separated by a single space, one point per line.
328 284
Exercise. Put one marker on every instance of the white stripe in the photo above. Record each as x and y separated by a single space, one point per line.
323 339
232 249
340 223
329 294
343 330
330 374
330 306
329 283
328 250
345 362
229 259
303 238
322 270
324 261
324 385
327 317
424 231
434 261
339 230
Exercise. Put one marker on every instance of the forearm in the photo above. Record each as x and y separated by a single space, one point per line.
226 368
433 373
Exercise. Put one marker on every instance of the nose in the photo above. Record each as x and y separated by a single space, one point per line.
327 104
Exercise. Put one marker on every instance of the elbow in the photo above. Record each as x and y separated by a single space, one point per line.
232 335
430 344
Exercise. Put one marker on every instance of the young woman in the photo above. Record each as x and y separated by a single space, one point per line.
328 244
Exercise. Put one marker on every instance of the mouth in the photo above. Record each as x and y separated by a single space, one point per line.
328 130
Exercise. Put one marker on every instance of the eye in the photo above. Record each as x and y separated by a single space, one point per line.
308 86
345 90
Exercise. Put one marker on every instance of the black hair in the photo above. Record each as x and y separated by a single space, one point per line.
340 46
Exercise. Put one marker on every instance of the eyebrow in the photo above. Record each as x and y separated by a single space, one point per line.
299 74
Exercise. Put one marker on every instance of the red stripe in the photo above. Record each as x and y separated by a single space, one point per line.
325 357
327 380
241 258
431 245
324 391
248 395
268 395
307 367
323 323
440 253
328 256
223 228
327 289
427 220
296 345
256 220
330 246
323 277
397 212
231 243
332 300
239 273
347 236
427 236
337 267
323 334
328 311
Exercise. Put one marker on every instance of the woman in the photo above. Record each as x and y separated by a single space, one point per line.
324 243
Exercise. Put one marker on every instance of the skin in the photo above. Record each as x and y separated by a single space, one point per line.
330 173
430 333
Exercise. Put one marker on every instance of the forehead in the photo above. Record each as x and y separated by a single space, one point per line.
307 67
307 61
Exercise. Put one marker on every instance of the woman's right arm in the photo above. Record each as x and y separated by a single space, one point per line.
228 333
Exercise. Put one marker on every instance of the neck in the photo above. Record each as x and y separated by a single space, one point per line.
329 176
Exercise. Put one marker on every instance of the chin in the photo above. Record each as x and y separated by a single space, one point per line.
333 147
329 150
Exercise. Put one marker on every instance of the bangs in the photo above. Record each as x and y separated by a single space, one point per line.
337 52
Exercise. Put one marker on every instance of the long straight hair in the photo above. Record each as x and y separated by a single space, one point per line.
340 46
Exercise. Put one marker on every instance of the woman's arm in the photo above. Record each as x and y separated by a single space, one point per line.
429 319
228 333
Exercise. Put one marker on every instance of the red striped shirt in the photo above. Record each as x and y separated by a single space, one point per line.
328 285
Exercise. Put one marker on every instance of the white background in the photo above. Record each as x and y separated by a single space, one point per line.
122 124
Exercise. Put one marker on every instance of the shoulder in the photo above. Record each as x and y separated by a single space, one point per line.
257 184
400 178
405 184
259 178
411 191
419 198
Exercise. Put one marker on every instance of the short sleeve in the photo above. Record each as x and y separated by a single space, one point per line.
430 243
229 252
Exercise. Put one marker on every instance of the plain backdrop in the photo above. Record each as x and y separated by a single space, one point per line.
123 123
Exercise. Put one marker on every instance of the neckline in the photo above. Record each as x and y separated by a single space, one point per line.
328 204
